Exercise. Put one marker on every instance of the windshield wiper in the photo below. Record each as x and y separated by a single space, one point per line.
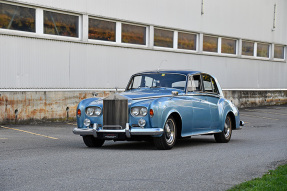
155 87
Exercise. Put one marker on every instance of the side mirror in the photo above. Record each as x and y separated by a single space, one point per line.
174 93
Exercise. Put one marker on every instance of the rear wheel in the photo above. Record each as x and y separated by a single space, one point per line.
225 135
91 141
168 138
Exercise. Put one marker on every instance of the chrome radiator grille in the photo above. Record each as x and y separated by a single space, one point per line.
115 112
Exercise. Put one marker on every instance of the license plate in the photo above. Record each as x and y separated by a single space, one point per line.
110 136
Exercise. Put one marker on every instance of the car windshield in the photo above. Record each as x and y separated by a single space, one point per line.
158 80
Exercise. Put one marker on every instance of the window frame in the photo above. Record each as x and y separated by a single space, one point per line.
196 41
162 47
284 53
236 46
254 48
269 51
24 6
209 52
131 44
79 27
97 40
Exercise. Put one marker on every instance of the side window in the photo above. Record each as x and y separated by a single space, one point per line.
209 84
215 88
194 83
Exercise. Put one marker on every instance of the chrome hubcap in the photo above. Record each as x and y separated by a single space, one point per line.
227 127
169 131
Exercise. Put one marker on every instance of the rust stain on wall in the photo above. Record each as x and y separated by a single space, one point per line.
21 106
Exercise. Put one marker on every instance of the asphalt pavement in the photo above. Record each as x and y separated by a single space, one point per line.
49 156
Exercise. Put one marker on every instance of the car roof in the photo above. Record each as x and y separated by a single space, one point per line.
185 72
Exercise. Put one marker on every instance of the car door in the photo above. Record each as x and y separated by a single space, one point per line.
212 97
201 117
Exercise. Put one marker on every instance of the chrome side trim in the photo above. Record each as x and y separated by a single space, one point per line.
140 131
196 94
202 133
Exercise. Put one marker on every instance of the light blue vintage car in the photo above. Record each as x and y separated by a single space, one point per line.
162 106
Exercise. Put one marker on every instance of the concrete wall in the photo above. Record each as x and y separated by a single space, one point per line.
26 107
252 98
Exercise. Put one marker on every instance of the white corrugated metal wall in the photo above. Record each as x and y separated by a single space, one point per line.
29 62
40 63
236 18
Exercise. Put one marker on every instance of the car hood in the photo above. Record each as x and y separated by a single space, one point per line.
146 93
139 94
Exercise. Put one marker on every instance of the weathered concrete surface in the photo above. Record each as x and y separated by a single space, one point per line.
24 107
28 106
251 98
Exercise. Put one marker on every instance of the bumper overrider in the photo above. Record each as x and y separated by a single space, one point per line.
128 131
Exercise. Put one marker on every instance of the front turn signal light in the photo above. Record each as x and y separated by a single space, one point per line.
79 113
151 113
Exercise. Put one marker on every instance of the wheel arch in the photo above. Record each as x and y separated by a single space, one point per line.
232 117
176 116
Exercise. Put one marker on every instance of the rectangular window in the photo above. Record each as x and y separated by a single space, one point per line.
102 30
61 24
186 41
133 34
263 50
247 48
17 18
279 51
163 38
210 44
207 84
228 46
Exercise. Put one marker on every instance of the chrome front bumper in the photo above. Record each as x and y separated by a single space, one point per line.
128 131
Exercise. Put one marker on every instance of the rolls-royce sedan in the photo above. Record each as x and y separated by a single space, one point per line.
162 106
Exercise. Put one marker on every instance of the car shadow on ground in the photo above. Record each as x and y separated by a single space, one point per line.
148 145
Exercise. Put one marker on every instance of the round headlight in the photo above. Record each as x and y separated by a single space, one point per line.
90 111
141 122
143 111
98 111
87 122
135 111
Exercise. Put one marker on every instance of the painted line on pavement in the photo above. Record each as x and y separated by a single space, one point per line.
29 132
71 123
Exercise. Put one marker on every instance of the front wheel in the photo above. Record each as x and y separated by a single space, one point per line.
225 135
91 141
168 138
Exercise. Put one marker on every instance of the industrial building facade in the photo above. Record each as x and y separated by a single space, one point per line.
73 48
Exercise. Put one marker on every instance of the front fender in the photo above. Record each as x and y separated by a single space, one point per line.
82 105
227 107
163 108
